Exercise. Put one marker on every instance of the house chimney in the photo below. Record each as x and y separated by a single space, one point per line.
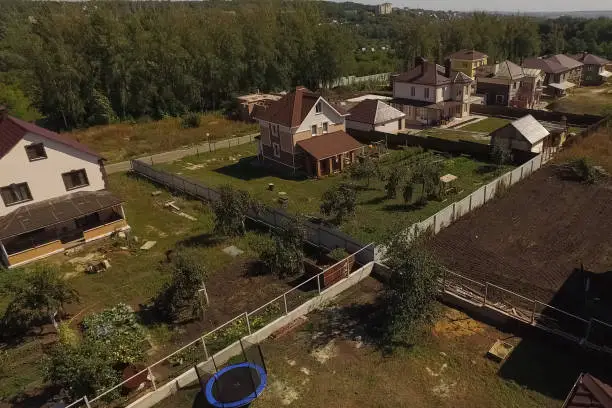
447 67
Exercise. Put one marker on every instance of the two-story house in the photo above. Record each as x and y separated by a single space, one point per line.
594 69
53 193
302 131
508 84
467 61
428 97
561 72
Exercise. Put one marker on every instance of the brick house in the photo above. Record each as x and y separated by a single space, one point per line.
304 132
53 193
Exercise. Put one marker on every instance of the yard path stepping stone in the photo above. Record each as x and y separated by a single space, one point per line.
233 251
148 245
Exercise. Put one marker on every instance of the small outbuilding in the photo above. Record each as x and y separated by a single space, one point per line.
375 115
526 134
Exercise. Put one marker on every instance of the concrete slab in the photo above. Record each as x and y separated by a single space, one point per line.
148 245
500 350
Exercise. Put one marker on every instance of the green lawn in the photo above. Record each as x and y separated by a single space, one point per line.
455 135
376 217
487 125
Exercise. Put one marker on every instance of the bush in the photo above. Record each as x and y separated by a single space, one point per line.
231 210
584 171
285 257
339 202
190 120
179 299
338 254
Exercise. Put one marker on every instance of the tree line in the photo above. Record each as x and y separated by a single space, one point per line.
82 64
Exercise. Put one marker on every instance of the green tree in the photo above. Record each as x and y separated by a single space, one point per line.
364 169
393 180
231 210
179 299
339 202
17 103
500 156
285 257
408 192
37 299
409 298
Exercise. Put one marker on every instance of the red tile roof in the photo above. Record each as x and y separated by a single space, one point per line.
589 392
328 145
291 109
12 130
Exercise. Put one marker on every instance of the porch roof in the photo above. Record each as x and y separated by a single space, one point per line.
54 211
329 144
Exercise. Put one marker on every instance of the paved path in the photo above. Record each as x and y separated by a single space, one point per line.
172 155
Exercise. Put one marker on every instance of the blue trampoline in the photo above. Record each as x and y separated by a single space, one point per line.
237 385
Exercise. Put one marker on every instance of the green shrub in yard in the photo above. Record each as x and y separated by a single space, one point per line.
231 210
285 257
338 254
190 120
583 170
339 202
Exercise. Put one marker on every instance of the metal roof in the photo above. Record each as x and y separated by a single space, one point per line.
329 144
530 128
375 112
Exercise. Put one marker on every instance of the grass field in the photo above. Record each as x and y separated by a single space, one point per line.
376 216
586 100
455 135
124 141
597 147
487 125
330 361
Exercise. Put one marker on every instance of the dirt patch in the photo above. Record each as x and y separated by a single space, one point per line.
322 354
284 392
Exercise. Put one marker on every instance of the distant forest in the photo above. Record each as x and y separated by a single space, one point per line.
82 64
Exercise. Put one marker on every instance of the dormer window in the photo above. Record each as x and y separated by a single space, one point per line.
36 151
318 107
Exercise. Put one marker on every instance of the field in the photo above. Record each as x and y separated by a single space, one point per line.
136 276
376 217
586 100
535 238
331 361
487 125
456 135
597 147
123 141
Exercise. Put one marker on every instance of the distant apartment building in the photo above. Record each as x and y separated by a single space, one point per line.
384 8
561 72
428 97
508 84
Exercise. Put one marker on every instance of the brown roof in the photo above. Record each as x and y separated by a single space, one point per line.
423 74
328 145
590 59
470 55
589 392
291 109
552 65
374 111
12 130
53 211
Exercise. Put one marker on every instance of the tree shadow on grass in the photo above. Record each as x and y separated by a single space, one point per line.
405 207
375 200
249 168
45 397
202 240
486 169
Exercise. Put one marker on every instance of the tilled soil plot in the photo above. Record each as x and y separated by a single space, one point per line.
535 237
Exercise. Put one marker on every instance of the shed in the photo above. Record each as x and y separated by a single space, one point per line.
373 114
526 134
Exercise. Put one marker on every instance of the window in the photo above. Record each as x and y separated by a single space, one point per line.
15 194
412 91
325 127
36 151
426 93
313 129
276 149
499 99
318 107
75 179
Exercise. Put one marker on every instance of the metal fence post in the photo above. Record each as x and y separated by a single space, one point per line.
484 200
86 401
246 315
319 283
533 312
484 303
285 300
152 378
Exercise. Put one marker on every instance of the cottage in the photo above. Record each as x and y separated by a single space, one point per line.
561 72
525 134
375 115
594 70
507 84
53 193
467 62
302 131
428 97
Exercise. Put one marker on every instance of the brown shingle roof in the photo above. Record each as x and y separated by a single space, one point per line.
552 65
590 59
12 130
328 145
425 74
291 109
589 392
470 55
53 211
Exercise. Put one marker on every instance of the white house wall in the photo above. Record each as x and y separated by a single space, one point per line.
44 177
327 114
403 90
389 127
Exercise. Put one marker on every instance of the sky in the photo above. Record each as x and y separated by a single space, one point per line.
501 5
